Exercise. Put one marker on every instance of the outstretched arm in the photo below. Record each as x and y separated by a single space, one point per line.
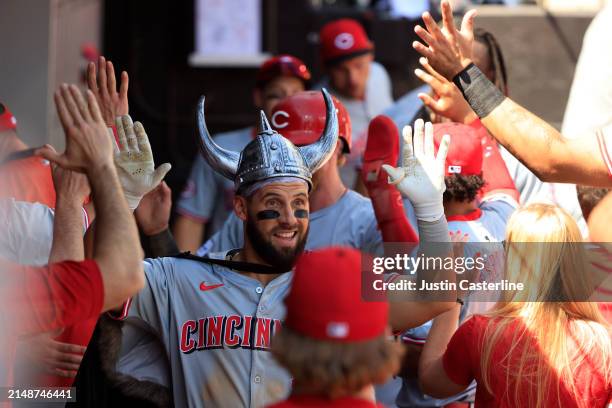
533 141
89 149
421 179
545 151
433 379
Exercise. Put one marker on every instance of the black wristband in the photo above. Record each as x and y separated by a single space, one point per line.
162 244
482 95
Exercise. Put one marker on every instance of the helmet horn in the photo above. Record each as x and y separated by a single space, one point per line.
317 153
221 160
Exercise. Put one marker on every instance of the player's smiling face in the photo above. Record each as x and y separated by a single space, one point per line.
277 222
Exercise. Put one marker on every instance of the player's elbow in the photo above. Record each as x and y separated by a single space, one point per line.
552 166
546 172
134 277
442 307
125 274
427 386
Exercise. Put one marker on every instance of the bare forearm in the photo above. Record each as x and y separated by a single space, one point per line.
188 233
530 139
431 368
116 246
67 231
543 150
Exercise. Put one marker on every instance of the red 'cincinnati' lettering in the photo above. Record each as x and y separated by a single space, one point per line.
246 338
188 344
262 330
230 338
201 331
214 329
228 331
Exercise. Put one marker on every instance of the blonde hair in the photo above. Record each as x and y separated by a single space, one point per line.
334 368
544 249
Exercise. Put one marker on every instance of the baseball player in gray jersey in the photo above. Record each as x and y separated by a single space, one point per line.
215 317
339 216
216 323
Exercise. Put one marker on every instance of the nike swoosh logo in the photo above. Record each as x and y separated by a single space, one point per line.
205 287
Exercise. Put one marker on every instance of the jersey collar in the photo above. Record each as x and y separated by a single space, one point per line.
471 216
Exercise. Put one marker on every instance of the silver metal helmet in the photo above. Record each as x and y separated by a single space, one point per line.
270 154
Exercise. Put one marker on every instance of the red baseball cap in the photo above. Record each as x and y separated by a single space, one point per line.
325 301
342 39
282 65
465 150
301 118
7 120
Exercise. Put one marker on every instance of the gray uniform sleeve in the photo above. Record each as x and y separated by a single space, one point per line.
198 197
374 241
230 236
151 305
436 231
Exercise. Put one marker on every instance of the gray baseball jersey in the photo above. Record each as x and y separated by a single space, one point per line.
208 196
350 221
215 325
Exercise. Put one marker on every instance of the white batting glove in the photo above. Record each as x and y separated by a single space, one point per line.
421 177
134 161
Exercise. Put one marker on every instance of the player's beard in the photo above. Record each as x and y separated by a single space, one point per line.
284 258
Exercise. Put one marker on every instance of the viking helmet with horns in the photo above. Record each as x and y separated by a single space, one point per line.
270 155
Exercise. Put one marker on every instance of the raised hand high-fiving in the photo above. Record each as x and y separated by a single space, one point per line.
88 145
421 177
112 103
134 161
447 50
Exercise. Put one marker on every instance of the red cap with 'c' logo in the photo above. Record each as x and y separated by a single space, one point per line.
342 39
